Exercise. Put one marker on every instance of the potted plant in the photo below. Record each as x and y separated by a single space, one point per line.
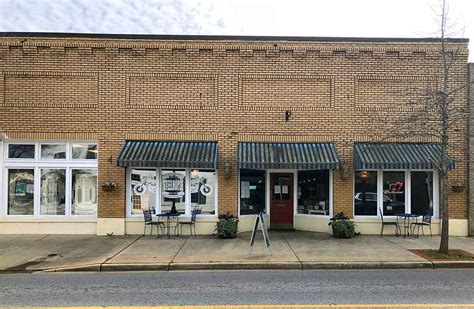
109 186
342 226
226 227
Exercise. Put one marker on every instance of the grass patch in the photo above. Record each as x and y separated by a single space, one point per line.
452 255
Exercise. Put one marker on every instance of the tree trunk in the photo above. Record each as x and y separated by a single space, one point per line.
444 212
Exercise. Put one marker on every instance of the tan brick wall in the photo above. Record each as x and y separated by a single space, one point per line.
226 91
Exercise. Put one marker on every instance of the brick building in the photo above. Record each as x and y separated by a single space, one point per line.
223 124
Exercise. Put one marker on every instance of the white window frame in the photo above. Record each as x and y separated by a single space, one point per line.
187 208
407 191
37 164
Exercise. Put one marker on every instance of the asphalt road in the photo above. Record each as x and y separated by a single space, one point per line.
238 287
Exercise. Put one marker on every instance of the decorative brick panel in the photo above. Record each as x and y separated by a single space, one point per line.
385 93
50 89
173 91
286 92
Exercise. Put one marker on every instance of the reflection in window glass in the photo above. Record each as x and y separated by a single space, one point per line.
84 192
53 151
173 193
313 192
143 184
365 196
252 192
84 151
53 198
394 193
21 151
21 191
203 186
422 193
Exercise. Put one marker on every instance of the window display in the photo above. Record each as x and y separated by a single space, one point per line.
203 187
252 192
84 192
313 192
53 190
173 191
143 188
21 186
422 193
365 197
393 193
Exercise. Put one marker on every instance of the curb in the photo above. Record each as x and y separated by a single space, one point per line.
134 267
235 265
253 266
366 265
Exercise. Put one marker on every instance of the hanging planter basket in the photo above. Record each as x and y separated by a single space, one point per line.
109 186
457 187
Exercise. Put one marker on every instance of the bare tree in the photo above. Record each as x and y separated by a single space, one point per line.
438 110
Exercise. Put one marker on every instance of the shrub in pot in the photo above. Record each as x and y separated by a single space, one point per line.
227 225
342 226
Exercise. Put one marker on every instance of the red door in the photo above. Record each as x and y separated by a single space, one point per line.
281 201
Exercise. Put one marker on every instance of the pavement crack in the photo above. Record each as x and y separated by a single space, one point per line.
291 248
177 252
120 251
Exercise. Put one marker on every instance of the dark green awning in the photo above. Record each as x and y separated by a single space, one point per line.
310 156
397 156
169 154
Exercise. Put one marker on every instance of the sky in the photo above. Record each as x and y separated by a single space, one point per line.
335 18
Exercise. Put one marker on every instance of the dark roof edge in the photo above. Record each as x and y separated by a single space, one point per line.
221 37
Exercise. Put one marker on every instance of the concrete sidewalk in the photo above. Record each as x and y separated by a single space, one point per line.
290 250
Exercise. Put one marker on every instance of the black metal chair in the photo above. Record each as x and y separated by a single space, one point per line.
191 223
425 222
384 223
148 217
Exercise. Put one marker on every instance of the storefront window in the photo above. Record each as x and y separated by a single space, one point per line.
84 192
143 190
252 192
313 192
365 196
21 151
21 189
53 189
203 188
422 193
173 191
393 193
84 151
53 151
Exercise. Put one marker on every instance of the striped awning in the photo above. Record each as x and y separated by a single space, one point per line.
310 156
168 154
397 156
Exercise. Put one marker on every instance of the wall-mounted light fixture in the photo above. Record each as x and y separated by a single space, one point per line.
287 115
194 172
364 175
227 170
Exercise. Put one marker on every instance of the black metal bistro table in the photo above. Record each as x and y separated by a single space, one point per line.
168 216
406 222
